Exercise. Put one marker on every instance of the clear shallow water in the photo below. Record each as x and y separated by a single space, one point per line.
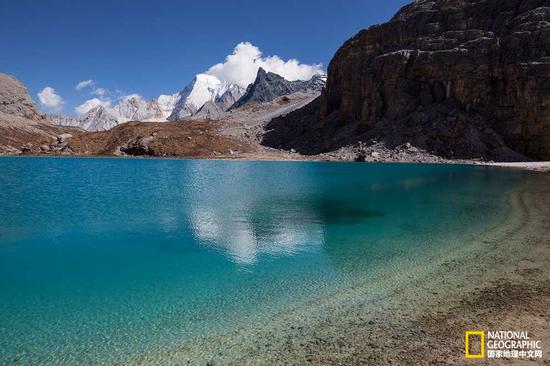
102 260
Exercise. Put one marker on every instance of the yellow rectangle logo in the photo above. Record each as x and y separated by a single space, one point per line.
467 336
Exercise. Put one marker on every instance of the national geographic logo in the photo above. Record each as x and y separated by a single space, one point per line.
501 344
478 338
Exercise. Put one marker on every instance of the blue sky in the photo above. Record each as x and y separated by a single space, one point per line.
156 47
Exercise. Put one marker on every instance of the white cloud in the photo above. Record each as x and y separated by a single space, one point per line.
92 85
131 96
85 84
100 92
50 99
92 103
242 66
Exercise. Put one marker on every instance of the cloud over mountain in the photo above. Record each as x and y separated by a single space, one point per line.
84 84
50 99
100 92
92 103
242 66
239 69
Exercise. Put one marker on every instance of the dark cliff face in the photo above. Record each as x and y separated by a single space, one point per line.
465 64
268 86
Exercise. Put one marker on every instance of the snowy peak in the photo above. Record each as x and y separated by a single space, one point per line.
316 83
231 95
214 109
202 89
132 108
163 106
269 86
205 97
97 119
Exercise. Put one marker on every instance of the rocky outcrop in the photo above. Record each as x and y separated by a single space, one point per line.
457 72
62 120
231 95
210 110
16 101
186 138
269 86
22 127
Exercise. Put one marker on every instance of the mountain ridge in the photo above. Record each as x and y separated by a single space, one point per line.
267 86
205 97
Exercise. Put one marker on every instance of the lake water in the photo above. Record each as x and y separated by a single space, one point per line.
104 260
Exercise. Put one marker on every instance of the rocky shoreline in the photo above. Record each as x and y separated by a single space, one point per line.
404 154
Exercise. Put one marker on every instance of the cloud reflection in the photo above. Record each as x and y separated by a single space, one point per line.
246 237
235 210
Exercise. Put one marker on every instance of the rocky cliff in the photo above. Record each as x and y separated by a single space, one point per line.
460 78
269 86
15 100
22 127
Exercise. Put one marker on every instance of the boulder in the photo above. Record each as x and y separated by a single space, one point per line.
63 137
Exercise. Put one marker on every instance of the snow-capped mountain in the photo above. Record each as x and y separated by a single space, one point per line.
204 88
213 109
163 107
98 118
132 108
231 95
205 97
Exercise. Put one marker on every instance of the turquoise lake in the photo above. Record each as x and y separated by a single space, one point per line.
104 260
